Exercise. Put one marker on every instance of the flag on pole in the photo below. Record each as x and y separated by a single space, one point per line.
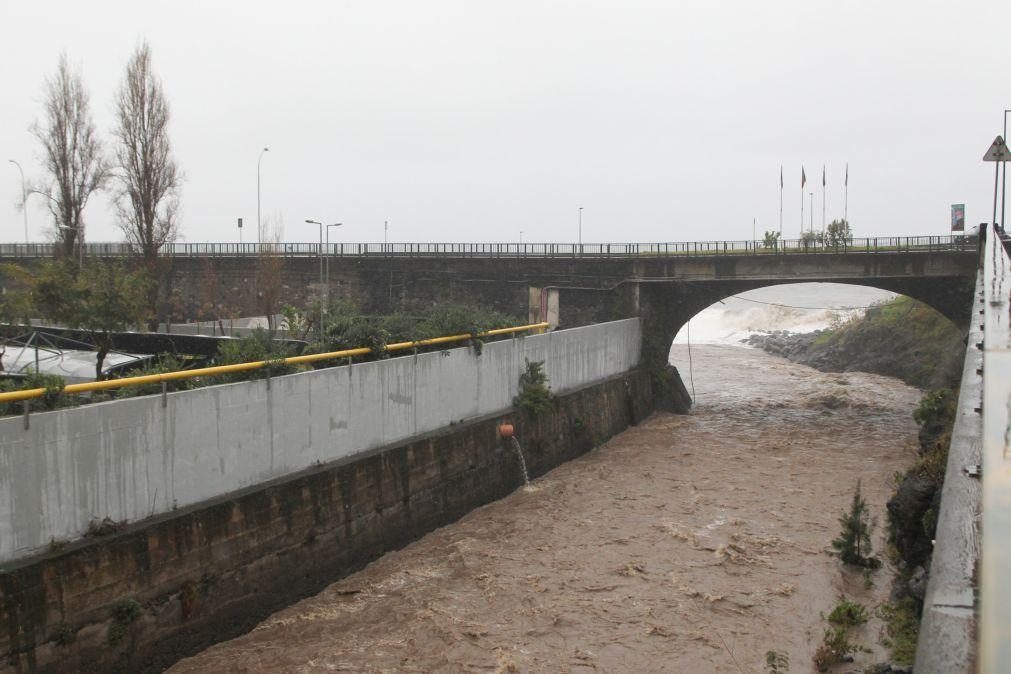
803 178
847 184
823 175
780 177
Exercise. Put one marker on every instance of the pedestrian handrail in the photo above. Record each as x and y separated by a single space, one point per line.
888 244
28 394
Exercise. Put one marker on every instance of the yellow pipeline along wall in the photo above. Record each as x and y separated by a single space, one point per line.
28 394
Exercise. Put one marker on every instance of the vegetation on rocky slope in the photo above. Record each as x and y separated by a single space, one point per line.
902 338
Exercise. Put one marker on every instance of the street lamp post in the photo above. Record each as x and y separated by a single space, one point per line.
811 217
580 230
24 196
317 222
336 224
258 160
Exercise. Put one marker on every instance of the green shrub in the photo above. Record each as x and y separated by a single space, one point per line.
834 648
777 662
902 620
50 400
535 395
854 542
165 363
848 613
257 346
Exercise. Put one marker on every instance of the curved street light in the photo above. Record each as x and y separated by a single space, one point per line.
258 160
24 196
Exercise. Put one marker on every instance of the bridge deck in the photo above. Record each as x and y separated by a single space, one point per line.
519 250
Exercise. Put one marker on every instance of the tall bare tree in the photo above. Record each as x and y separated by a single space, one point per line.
270 270
147 178
72 154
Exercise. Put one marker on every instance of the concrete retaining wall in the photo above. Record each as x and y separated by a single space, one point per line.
132 459
139 599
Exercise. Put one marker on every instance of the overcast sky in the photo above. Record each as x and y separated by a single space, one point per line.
473 121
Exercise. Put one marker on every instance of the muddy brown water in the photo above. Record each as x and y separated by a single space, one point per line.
687 544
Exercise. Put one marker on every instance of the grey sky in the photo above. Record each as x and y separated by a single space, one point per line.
472 121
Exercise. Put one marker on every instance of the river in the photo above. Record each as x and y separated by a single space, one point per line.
686 544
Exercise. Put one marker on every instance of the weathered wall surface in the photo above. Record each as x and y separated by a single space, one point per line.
131 459
140 599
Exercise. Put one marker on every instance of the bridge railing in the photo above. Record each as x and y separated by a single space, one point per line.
889 244
995 576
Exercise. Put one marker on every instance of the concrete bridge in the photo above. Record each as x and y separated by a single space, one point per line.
568 285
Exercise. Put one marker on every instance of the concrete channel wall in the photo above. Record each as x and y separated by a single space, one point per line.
947 642
131 459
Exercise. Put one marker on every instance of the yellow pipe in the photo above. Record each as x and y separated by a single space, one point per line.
26 394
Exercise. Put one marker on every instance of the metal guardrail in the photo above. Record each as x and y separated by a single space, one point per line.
995 576
891 244
28 394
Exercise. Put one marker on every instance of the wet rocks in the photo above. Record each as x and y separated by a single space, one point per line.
906 509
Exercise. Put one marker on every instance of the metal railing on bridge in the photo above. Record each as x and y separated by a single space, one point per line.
885 244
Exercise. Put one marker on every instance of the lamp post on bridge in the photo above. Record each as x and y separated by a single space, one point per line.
579 232
811 216
259 159
1003 182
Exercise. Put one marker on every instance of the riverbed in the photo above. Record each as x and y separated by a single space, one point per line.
686 544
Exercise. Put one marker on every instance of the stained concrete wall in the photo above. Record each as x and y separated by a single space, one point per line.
138 599
131 459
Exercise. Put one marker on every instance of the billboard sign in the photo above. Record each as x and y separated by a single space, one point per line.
958 217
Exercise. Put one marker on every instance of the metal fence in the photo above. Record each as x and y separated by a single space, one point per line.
890 244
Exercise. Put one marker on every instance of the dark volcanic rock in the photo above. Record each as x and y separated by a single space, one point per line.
906 510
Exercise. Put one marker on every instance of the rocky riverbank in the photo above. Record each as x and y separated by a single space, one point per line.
902 338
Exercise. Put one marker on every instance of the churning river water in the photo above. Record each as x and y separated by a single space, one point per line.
689 543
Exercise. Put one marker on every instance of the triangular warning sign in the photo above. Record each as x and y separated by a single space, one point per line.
998 151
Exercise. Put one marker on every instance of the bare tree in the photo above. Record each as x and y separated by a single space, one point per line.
72 154
270 270
147 177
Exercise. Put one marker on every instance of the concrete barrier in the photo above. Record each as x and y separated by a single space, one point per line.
131 459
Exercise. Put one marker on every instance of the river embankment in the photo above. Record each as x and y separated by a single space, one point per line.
688 543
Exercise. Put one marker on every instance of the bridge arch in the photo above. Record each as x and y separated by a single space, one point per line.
667 307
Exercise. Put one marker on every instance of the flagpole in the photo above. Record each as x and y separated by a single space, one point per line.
802 181
846 203
823 199
780 202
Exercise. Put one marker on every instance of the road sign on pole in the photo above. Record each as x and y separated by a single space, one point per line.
998 151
